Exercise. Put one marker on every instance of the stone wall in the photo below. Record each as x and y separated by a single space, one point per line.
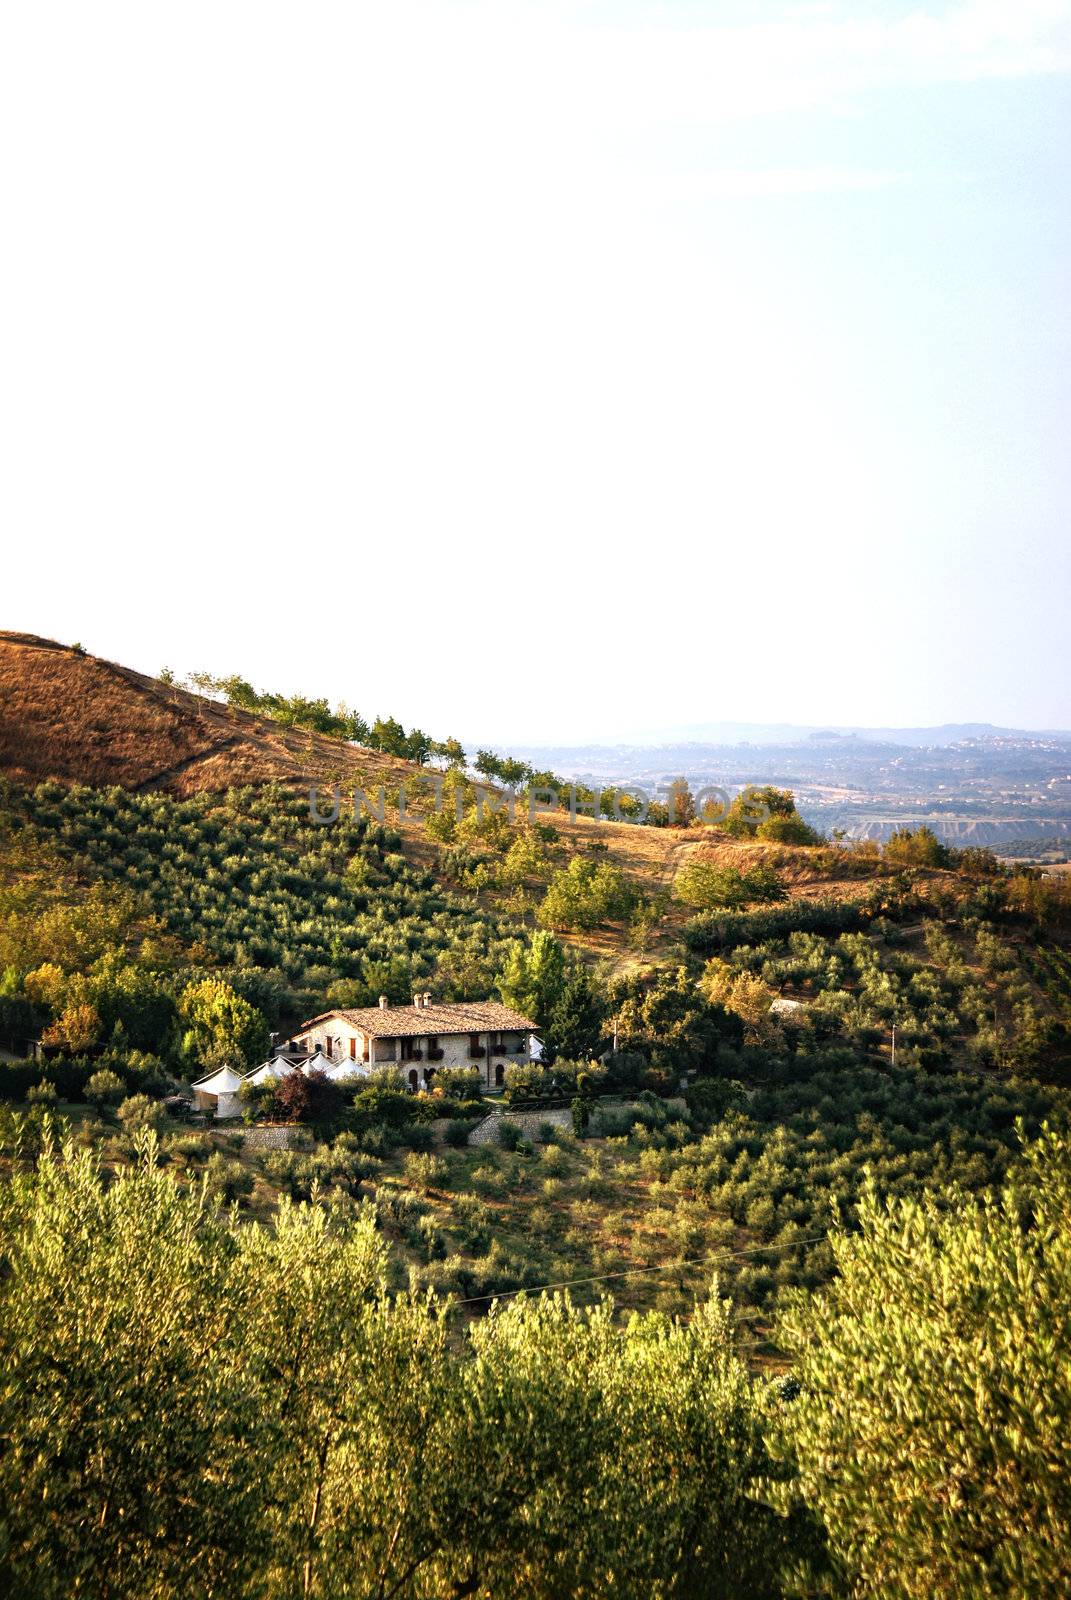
284 1137
486 1132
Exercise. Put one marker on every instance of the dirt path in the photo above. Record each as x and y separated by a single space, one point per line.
675 852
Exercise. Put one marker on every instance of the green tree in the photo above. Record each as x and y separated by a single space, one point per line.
917 847
932 1430
708 886
533 978
585 894
220 1025
755 805
334 1438
577 1017
667 1019
451 752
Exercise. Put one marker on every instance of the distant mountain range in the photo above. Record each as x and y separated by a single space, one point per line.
733 734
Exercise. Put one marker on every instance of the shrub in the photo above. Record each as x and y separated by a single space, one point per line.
714 932
509 1134
417 1136
138 1111
458 1083
306 1097
788 830
706 886
425 1172
226 1178
457 1132
187 1147
583 895
919 847
105 1088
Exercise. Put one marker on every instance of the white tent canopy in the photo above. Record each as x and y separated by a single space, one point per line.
335 1070
277 1067
223 1081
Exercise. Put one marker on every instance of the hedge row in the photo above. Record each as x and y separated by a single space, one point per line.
724 930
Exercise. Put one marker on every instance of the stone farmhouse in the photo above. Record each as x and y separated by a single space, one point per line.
420 1038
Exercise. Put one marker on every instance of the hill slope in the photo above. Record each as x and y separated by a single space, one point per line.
75 717
69 716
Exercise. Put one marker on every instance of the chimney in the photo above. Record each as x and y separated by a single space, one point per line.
383 1002
416 1002
427 1000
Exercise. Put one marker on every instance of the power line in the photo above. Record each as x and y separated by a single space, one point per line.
635 1272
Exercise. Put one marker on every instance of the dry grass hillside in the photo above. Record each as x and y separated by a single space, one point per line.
69 715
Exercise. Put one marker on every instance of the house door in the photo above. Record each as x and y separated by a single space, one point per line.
500 1074
413 1079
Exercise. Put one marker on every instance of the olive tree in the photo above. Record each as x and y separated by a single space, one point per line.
932 1430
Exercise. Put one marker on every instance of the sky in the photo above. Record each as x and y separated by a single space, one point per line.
548 372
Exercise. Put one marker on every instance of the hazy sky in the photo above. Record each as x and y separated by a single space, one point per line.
546 372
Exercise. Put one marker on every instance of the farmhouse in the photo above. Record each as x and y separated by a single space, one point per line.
420 1038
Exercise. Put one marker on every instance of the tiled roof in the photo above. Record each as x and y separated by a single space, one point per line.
398 1022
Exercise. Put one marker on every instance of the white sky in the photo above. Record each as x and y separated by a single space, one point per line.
552 372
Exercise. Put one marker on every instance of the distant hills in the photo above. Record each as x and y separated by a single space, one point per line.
730 735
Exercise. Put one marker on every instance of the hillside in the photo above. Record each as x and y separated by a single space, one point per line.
78 718
75 718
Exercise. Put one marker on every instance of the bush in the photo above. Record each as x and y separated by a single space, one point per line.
706 886
187 1147
509 1134
105 1088
227 1179
42 1094
138 1111
788 830
306 1097
584 895
706 935
918 847
417 1136
425 1172
458 1083
456 1132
